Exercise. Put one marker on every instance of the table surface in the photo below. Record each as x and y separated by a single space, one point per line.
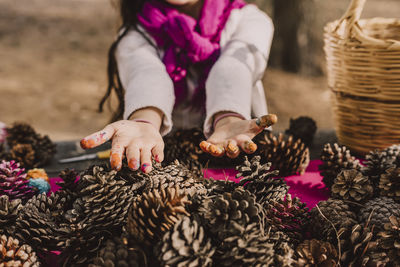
66 149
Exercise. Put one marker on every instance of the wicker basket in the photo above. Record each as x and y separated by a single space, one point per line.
363 63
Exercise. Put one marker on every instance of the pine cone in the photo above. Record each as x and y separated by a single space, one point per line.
20 136
378 161
8 213
289 216
24 154
239 206
334 160
390 239
115 253
257 179
185 245
336 212
377 212
317 253
38 222
183 145
173 175
389 183
98 212
13 182
154 213
19 133
14 254
303 128
361 249
352 185
287 155
245 245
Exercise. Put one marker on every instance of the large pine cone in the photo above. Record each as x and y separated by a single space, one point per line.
377 212
361 249
154 213
303 128
389 183
326 213
257 179
378 161
289 216
13 182
335 159
38 222
317 253
390 239
185 245
245 245
115 252
8 213
239 206
352 185
175 174
20 133
287 155
99 211
14 254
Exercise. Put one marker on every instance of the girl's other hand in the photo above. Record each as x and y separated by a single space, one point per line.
232 134
140 141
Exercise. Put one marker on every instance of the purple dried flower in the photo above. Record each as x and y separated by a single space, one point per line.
13 182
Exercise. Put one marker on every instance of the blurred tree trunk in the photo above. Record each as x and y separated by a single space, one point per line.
288 17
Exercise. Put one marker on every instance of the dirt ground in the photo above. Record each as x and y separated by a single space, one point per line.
53 61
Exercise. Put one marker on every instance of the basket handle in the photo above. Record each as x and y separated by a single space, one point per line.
352 16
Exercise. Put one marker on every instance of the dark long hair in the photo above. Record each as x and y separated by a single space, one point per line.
128 12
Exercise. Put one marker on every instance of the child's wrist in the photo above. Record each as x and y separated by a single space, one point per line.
223 118
149 115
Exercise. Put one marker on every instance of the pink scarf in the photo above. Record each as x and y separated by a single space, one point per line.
187 41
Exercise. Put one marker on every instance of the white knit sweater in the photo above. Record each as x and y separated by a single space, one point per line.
233 84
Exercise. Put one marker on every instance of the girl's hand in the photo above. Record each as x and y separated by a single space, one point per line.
230 133
140 141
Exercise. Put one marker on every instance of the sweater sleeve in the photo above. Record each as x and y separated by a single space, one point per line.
144 78
241 64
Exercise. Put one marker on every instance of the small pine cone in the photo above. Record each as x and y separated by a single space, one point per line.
154 213
185 245
8 213
377 212
13 182
20 133
335 159
24 154
14 254
389 183
239 206
257 179
303 128
287 155
390 239
114 252
68 185
317 253
37 222
245 245
331 211
378 161
361 249
289 216
352 185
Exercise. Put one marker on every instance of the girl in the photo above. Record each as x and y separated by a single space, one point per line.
187 61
